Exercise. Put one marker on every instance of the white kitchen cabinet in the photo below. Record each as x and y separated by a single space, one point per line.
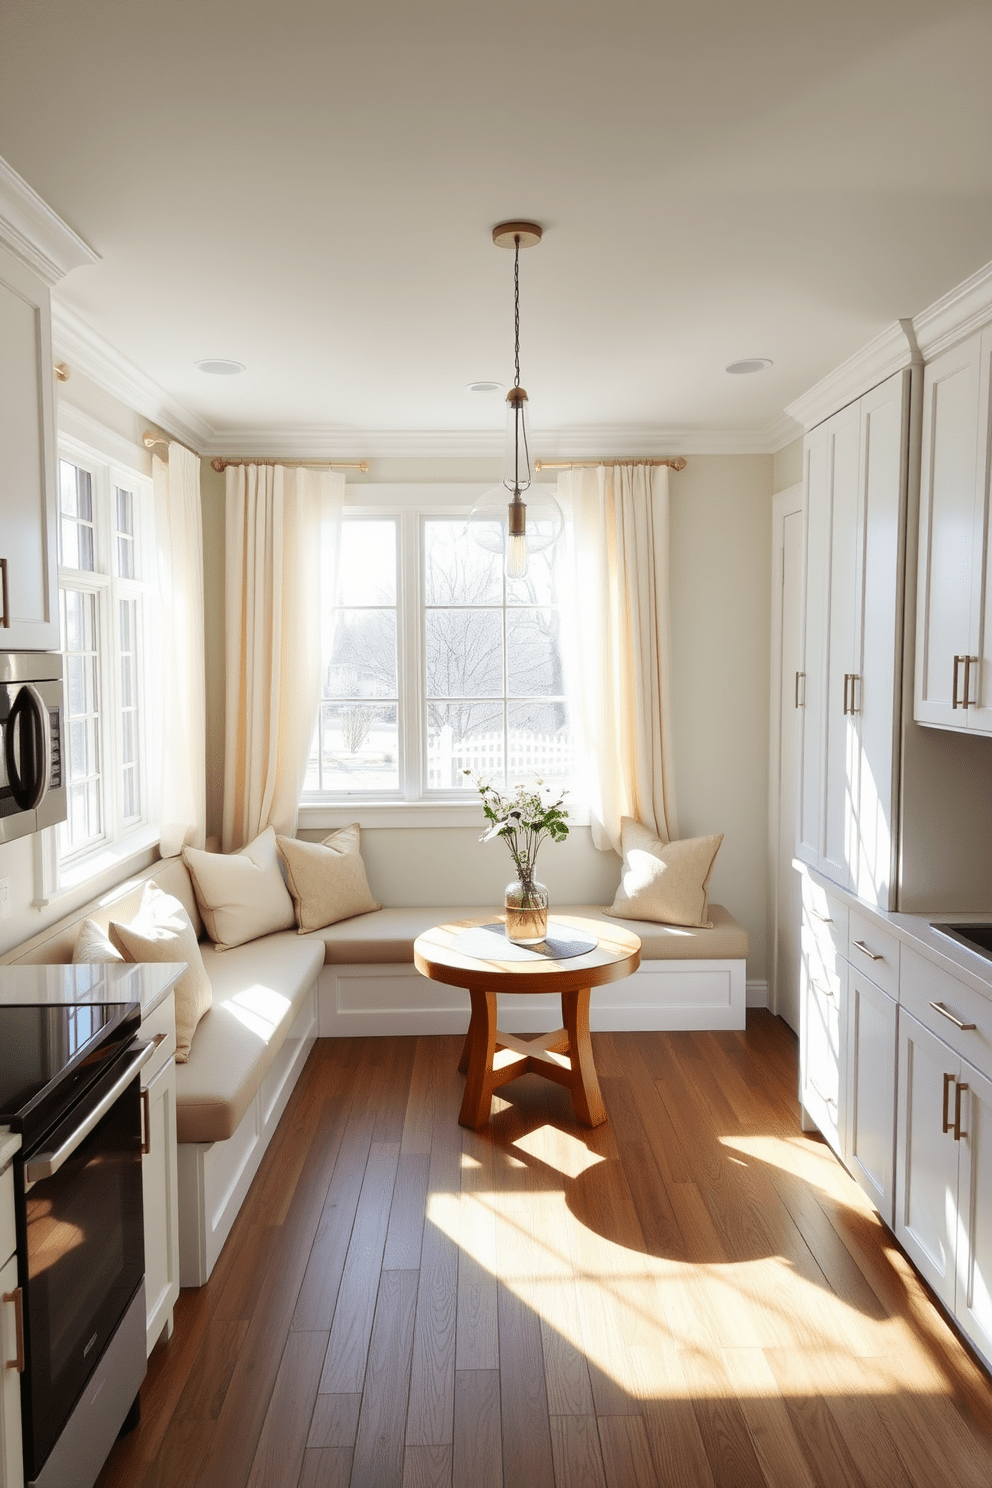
953 656
160 1173
11 1453
822 1013
29 599
927 1154
869 1148
856 466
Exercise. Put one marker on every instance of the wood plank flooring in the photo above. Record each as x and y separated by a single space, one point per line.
695 1294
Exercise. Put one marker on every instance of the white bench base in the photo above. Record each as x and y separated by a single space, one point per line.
378 1000
214 1177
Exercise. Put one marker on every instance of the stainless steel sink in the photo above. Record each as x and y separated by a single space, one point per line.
977 938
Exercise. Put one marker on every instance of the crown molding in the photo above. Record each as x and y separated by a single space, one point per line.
890 351
611 442
37 234
86 351
964 309
780 432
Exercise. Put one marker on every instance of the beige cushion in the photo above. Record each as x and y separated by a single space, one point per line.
163 931
663 881
326 879
387 936
93 947
241 895
259 991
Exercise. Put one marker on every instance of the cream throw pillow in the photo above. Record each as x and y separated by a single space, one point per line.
163 931
92 946
241 895
327 879
664 881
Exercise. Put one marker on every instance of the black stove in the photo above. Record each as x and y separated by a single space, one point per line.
51 1054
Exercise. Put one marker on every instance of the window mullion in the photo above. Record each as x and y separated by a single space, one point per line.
411 655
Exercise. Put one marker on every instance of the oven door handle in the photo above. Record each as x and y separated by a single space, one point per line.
47 1164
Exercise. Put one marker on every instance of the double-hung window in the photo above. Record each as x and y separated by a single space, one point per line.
434 662
105 563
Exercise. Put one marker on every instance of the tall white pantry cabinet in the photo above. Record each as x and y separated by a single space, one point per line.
849 687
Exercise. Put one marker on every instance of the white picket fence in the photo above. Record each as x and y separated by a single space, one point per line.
527 754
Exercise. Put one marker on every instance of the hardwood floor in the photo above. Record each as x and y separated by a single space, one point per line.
694 1294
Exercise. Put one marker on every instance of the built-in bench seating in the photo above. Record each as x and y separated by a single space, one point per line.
273 996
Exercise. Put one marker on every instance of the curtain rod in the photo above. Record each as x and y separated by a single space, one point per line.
149 440
220 464
675 462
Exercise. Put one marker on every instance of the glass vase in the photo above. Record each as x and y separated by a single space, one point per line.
526 903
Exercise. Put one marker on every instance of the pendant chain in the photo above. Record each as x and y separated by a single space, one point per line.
516 309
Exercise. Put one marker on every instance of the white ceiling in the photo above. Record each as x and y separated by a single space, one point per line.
309 188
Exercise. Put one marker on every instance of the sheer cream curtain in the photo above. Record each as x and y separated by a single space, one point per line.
277 519
619 649
179 544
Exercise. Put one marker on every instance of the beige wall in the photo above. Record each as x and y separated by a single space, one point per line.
721 617
787 466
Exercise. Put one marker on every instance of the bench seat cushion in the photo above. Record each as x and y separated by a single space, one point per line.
387 935
258 989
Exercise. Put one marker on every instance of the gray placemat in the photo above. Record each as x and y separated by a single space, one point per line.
489 943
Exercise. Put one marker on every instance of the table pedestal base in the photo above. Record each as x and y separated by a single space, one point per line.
491 1058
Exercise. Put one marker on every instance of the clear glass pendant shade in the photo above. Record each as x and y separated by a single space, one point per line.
489 525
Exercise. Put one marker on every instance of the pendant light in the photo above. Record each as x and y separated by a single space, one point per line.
515 527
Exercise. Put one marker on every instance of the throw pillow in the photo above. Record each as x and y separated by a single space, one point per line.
92 946
241 895
326 879
163 931
664 881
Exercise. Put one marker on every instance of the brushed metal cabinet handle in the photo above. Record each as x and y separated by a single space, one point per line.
827 1099
967 680
945 1124
823 919
865 951
954 684
958 1133
4 595
17 1297
944 1012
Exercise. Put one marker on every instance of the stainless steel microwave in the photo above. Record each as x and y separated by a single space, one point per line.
32 774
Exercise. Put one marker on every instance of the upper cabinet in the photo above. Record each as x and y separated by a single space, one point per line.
954 619
856 467
28 564
36 249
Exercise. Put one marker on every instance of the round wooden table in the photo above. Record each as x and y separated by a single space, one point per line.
490 1058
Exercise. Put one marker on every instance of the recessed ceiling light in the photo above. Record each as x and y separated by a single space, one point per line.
749 364
484 386
220 367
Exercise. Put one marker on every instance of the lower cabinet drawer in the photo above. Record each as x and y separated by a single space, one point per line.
822 1074
952 1010
874 952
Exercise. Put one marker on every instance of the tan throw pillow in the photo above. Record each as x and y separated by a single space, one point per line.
92 946
327 879
664 881
162 931
241 895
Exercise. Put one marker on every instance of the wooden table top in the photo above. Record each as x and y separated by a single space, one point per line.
616 955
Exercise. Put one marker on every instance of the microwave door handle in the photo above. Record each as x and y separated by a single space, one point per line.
43 743
47 1164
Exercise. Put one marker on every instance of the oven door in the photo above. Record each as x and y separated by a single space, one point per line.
81 1246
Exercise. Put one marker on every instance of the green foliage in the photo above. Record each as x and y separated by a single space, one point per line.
523 818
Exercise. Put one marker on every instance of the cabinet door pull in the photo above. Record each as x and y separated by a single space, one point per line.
954 684
825 991
801 677
866 952
939 1007
823 919
958 1133
945 1124
4 596
17 1297
827 1100
967 679
847 678
146 1122
855 683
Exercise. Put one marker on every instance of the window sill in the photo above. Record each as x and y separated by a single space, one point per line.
315 816
98 872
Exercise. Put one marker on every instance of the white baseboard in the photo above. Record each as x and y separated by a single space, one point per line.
757 993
